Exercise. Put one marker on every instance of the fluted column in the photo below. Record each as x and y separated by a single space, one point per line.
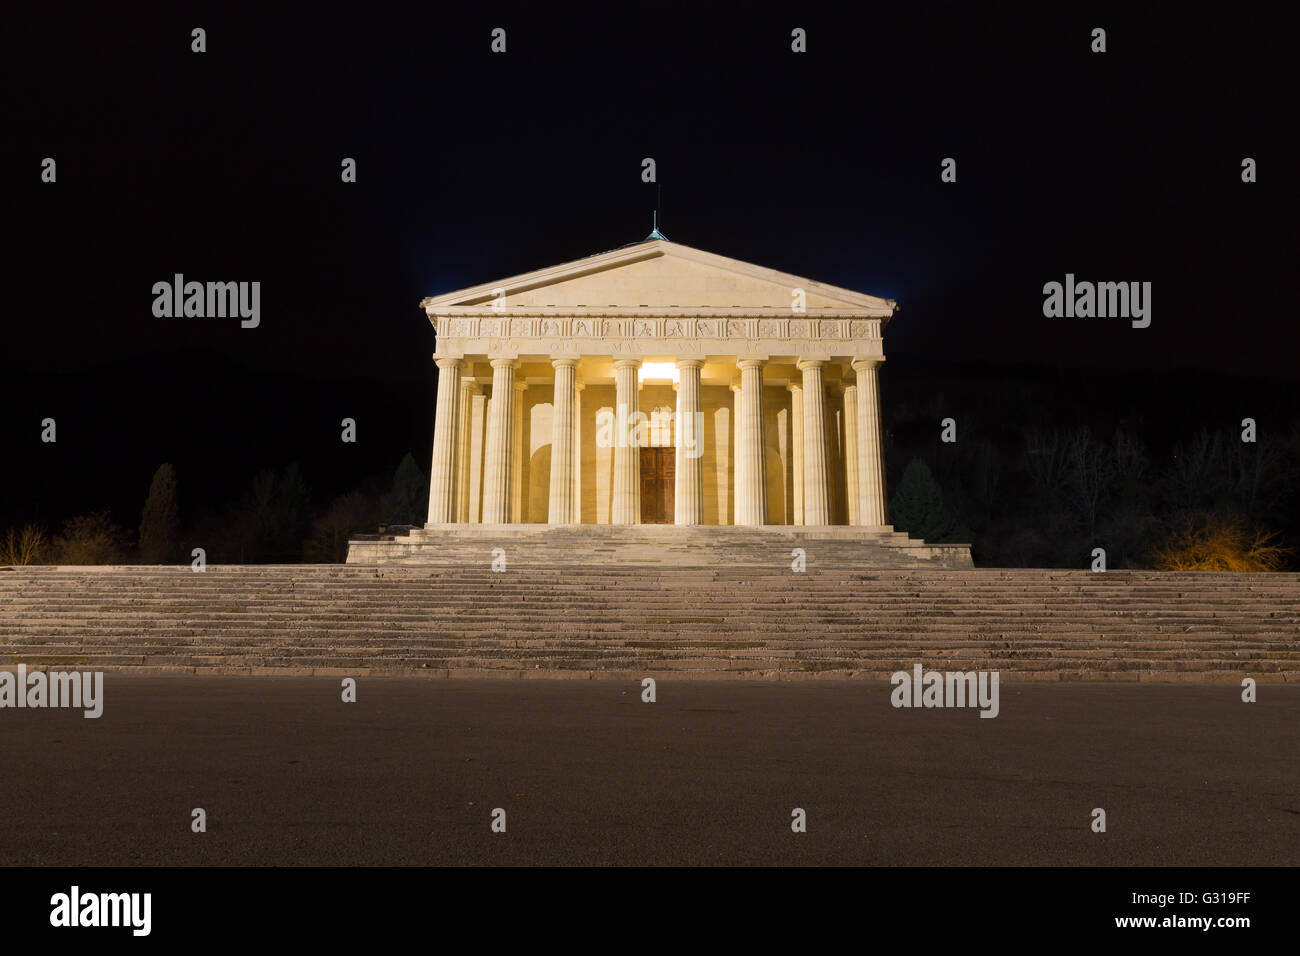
500 444
577 449
836 510
478 453
464 419
560 509
816 487
627 455
871 455
688 490
851 453
518 456
738 458
751 495
442 472
796 450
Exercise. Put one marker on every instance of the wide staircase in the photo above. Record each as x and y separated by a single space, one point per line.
648 545
618 620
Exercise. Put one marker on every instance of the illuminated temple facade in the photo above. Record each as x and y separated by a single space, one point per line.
658 384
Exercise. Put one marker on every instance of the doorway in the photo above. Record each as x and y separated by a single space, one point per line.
658 477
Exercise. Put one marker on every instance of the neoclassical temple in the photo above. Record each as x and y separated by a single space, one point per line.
658 384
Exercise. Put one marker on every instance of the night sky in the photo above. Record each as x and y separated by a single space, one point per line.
472 166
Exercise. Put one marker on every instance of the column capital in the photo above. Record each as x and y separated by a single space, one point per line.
810 363
564 362
750 362
690 363
627 363
793 387
735 387
521 384
505 363
447 363
867 364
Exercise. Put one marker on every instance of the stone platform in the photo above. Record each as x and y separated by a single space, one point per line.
550 546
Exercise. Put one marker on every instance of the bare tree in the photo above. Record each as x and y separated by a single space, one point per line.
1090 470
1260 477
1045 463
1198 476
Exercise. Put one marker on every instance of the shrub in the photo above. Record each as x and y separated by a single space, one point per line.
26 546
1220 544
350 514
90 539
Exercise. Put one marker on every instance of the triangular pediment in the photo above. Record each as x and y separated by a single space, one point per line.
661 276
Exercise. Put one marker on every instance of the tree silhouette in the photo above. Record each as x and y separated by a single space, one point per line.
917 505
408 501
285 519
160 521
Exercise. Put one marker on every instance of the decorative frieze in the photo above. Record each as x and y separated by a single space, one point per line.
689 335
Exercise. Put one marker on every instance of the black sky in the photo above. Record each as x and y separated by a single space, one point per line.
474 166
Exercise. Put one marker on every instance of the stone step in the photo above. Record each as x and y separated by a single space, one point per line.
524 651
559 571
797 629
613 619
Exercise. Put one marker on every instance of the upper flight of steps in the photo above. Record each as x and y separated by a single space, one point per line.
630 622
706 546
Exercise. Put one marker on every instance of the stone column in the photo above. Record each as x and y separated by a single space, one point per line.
464 422
500 444
518 455
688 490
738 459
560 509
836 511
851 453
751 495
577 448
816 486
871 456
477 449
627 455
442 472
796 450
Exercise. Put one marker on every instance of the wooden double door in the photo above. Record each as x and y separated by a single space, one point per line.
658 480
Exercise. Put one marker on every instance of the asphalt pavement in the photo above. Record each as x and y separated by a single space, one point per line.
710 773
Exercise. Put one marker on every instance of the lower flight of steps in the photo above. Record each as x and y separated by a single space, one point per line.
622 621
709 546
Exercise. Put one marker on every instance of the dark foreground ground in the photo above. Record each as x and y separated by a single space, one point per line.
588 774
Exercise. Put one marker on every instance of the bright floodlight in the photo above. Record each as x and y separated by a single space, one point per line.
659 372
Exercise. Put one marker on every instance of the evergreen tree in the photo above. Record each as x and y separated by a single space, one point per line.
161 520
287 518
917 505
253 518
408 501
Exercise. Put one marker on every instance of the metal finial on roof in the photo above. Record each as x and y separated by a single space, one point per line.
655 233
